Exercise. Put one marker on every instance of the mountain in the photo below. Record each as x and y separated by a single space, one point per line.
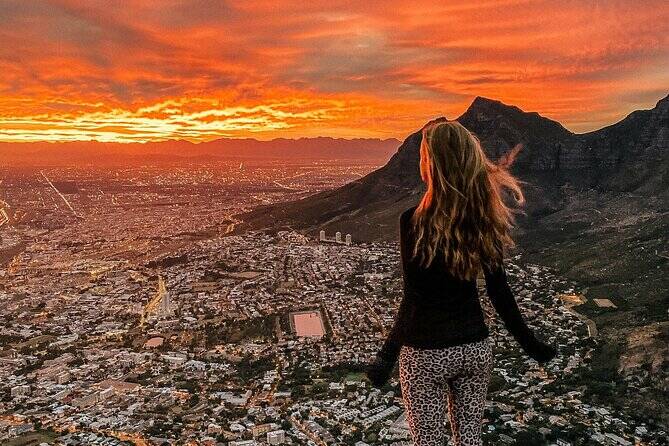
371 149
597 212
630 156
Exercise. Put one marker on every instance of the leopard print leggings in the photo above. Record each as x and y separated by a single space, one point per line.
426 375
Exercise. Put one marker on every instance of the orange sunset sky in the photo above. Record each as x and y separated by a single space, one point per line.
141 70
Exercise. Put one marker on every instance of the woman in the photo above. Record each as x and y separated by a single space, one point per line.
460 226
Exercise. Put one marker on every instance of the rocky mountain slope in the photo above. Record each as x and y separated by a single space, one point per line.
627 157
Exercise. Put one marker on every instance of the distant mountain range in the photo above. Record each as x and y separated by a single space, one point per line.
597 211
92 152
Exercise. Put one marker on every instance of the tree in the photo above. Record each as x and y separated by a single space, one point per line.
529 438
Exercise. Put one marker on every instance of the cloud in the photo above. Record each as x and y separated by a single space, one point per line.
338 68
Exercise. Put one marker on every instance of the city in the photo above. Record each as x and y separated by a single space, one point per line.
133 315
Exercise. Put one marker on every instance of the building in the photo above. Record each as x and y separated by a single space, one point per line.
261 429
20 390
20 429
614 439
347 240
276 437
243 443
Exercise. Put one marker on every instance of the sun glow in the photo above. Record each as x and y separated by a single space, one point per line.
154 71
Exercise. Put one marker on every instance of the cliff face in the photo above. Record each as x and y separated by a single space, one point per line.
633 152
641 138
630 156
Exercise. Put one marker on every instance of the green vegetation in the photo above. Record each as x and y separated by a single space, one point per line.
261 328
530 438
355 376
497 383
339 372
250 368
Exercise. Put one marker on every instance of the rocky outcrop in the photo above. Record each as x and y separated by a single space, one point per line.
647 346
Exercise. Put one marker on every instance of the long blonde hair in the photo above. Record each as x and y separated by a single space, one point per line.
462 213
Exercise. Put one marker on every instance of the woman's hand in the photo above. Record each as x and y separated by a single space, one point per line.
540 351
379 370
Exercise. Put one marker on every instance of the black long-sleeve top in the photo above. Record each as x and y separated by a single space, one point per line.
439 310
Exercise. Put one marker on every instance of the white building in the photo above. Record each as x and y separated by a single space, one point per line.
243 443
276 437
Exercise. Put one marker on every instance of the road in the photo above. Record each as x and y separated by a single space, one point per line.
316 439
155 301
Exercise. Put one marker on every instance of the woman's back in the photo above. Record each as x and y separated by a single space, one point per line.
443 309
439 310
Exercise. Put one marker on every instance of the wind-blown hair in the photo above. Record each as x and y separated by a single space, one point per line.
462 214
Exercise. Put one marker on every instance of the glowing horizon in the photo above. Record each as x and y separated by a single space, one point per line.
201 70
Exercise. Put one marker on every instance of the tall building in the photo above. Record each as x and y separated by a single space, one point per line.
338 239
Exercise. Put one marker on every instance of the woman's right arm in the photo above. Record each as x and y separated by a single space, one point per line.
379 370
505 304
395 338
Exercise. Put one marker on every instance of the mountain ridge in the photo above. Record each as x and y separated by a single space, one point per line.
376 149
552 156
